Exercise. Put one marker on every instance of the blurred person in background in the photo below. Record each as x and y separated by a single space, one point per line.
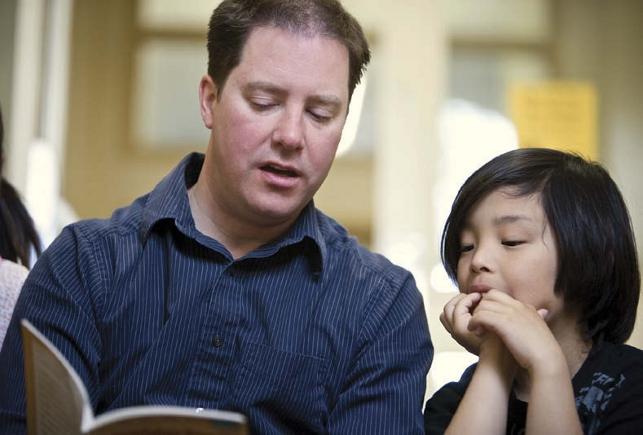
18 239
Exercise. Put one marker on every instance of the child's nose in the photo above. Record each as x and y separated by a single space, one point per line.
481 260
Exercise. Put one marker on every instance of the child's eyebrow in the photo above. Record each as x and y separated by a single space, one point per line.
511 218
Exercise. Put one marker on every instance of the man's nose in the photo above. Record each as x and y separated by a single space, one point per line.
289 131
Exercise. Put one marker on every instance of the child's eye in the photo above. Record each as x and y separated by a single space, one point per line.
465 248
512 242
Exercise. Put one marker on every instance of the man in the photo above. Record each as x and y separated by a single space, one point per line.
224 287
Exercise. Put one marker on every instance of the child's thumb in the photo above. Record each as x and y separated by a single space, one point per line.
542 312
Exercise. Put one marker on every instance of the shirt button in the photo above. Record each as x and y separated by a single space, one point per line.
217 341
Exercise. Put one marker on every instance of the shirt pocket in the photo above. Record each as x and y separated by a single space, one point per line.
286 386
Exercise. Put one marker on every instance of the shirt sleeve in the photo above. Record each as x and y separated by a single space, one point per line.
441 407
56 300
384 389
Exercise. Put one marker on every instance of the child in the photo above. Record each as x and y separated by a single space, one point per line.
541 246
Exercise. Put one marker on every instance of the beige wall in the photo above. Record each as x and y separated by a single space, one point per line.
7 29
103 170
601 41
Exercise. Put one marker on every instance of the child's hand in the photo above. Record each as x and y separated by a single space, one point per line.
494 354
522 329
455 318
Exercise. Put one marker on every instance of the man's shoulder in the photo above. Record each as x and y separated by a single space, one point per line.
124 221
128 219
347 252
137 217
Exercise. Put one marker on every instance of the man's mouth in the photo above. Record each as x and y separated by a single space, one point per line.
283 171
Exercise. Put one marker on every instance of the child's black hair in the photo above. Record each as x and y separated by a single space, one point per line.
598 274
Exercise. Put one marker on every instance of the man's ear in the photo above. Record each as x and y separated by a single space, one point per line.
207 97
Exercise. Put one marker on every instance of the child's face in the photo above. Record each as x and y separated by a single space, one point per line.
507 244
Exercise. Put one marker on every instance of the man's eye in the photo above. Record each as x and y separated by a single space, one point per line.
320 117
511 243
261 105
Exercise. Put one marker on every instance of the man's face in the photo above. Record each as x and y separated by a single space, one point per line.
275 125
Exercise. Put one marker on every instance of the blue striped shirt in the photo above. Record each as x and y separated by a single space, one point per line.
309 334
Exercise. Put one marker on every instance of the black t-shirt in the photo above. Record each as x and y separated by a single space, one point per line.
608 389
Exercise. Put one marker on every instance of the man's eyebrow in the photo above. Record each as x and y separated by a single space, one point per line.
270 88
264 87
325 100
510 218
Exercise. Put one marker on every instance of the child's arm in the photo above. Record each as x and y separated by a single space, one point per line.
483 408
523 331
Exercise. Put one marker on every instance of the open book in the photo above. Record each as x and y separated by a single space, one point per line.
58 403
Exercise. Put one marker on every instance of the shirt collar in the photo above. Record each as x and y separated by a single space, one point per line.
169 201
306 234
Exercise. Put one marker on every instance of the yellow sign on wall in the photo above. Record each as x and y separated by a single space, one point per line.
560 115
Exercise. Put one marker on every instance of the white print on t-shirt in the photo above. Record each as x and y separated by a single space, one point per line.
595 398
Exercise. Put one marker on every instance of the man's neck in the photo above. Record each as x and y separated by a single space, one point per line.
237 235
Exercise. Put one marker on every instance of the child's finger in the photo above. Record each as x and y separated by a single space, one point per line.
445 323
467 303
446 317
455 318
493 306
542 312
478 331
499 296
485 321
509 307
463 310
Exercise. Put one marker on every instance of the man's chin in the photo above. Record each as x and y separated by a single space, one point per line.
273 215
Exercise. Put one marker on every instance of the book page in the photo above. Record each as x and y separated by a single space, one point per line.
169 421
58 403
55 395
169 424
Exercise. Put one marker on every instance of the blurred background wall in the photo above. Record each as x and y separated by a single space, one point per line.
100 102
